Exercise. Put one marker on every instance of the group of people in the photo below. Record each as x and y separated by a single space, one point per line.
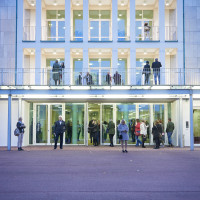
57 72
139 129
156 71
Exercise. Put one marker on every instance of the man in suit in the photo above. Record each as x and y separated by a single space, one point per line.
156 70
88 78
59 129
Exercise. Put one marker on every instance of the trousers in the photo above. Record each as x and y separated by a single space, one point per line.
20 140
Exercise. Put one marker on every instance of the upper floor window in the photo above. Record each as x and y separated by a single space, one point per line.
77 28
100 25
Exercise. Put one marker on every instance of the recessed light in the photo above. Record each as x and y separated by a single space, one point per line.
54 52
100 4
58 14
120 15
77 53
144 3
79 15
145 52
32 3
122 53
32 52
77 3
120 59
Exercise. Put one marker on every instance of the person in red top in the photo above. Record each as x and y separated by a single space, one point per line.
137 132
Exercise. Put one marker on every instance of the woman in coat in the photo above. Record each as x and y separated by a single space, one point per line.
137 133
95 130
21 127
123 135
156 130
143 132
111 131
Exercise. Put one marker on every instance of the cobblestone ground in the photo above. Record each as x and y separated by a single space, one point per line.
80 172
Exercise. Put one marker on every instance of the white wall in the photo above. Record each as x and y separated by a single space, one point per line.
4 122
175 120
25 116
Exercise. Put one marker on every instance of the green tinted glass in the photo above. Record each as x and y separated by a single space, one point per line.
51 14
94 14
105 14
61 14
147 14
138 14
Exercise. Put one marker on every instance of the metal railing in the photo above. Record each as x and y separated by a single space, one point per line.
170 33
53 33
29 33
143 34
132 76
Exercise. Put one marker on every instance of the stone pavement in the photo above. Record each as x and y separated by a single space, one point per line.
79 172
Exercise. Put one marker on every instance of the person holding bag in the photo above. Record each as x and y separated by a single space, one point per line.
156 130
137 133
21 127
123 134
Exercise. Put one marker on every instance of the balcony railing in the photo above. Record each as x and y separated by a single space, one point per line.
142 34
170 33
29 33
53 33
133 76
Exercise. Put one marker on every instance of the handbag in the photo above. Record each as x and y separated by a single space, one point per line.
16 132
120 137
137 133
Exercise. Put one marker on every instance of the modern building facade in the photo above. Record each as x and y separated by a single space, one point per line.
98 37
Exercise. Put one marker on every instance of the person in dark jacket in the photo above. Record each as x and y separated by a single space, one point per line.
80 78
95 130
146 72
56 72
69 132
156 70
133 130
169 130
111 131
62 68
108 79
117 78
156 130
21 127
88 78
90 126
59 129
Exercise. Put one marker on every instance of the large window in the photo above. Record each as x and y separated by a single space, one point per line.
77 25
122 70
98 68
145 29
55 25
122 25
100 25
77 69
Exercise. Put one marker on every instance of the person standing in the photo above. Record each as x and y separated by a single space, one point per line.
80 79
59 129
156 130
108 78
62 68
162 133
133 130
146 72
123 135
88 78
156 70
111 131
147 29
137 133
117 78
90 126
95 130
56 72
169 130
143 132
21 127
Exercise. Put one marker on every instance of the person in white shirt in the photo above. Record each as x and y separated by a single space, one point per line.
143 132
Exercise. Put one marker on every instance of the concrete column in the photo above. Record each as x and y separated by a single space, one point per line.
67 20
19 107
181 122
162 20
85 63
179 7
132 20
114 62
85 20
126 113
191 124
9 121
162 70
114 21
74 123
38 69
67 75
132 73
38 21
20 20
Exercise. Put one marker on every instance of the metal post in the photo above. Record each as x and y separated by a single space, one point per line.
191 124
9 121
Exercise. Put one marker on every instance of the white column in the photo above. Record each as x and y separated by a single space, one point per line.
162 60
38 68
132 70
181 122
132 20
19 107
114 62
191 124
20 20
85 20
9 121
162 20
114 21
179 15
85 63
67 74
38 21
67 20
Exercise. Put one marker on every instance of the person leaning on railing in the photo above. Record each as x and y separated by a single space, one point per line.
117 78
108 78
146 71
62 68
156 70
56 72
88 78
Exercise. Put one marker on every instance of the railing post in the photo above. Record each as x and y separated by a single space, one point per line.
9 121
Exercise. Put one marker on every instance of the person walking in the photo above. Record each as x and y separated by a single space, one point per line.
156 71
169 130
156 130
123 134
95 130
143 132
56 72
133 130
146 72
162 133
20 125
111 131
59 129
137 133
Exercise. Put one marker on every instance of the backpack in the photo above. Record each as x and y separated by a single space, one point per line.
16 132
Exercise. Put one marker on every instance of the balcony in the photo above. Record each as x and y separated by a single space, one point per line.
135 77
53 33
143 34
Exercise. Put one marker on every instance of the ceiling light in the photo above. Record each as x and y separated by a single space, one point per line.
32 52
55 3
120 59
144 3
100 4
77 3
91 27
122 53
58 14
99 15
118 19
167 52
99 53
167 3
79 15
120 15
145 53
77 53
32 3
122 3
54 52
79 59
